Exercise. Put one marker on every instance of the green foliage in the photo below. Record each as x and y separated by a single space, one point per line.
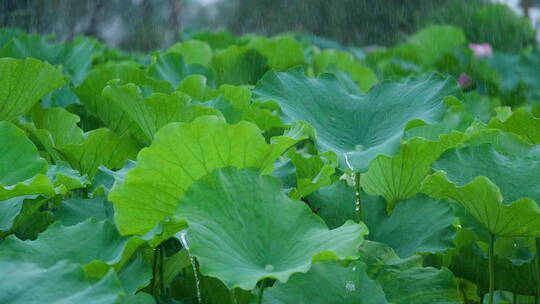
496 24
227 167
232 209
24 82
324 102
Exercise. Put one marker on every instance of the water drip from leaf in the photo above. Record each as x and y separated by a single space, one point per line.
353 180
183 240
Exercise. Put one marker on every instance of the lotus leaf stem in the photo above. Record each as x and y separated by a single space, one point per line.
491 268
261 291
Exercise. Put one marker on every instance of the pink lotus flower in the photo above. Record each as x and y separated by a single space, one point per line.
464 79
481 50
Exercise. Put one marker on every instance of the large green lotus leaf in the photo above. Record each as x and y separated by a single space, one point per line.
484 201
357 128
471 263
181 154
335 203
282 53
363 76
28 283
24 82
75 58
153 112
238 65
100 147
417 225
193 52
170 67
328 282
19 158
234 216
114 117
399 177
95 244
522 123
406 280
515 175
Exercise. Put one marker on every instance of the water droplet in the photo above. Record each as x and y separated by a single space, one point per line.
269 267
183 240
359 148
354 268
332 118
350 286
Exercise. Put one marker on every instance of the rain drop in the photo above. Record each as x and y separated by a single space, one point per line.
350 286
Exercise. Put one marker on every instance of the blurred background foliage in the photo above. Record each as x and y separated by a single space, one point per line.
150 24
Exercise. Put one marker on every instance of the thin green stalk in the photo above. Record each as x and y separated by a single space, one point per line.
154 272
161 262
233 297
261 291
514 298
358 201
491 268
537 241
463 293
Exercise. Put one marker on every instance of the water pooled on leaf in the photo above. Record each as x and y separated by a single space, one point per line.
350 286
